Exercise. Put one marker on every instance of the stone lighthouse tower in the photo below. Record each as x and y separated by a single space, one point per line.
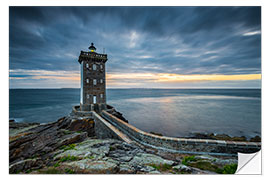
93 87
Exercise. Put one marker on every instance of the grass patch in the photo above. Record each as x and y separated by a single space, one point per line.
204 165
161 167
28 171
68 158
201 164
186 160
52 171
56 164
90 157
227 169
69 171
69 147
17 172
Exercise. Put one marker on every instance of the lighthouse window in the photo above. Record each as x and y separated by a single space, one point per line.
87 96
95 82
101 81
94 99
87 65
87 80
101 96
94 67
101 67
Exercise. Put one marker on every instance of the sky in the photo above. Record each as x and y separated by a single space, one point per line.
147 47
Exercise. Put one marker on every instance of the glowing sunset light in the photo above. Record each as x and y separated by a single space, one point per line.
162 77
72 78
203 77
76 78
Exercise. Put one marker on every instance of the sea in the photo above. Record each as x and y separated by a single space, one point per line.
171 112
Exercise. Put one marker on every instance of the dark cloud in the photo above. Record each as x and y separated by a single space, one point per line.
183 40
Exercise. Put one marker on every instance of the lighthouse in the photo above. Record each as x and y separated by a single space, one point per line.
93 81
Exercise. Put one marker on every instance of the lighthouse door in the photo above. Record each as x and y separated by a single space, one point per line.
94 99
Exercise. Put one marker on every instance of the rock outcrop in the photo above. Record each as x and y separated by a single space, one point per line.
41 140
69 146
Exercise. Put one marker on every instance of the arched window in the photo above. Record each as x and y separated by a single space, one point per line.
87 96
87 65
101 66
87 80
101 81
95 82
94 67
101 96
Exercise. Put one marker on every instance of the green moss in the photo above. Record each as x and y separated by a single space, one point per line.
56 164
17 171
165 167
68 158
51 171
227 169
157 167
28 171
188 159
69 147
91 157
69 171
201 164
112 148
67 132
161 167
204 165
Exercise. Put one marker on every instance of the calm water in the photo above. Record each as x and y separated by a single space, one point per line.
172 112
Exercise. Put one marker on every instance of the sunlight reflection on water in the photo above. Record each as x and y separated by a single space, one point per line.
172 112
181 115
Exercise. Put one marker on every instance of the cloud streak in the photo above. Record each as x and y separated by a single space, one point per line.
138 40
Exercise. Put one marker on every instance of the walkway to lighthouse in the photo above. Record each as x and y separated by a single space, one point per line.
116 133
109 126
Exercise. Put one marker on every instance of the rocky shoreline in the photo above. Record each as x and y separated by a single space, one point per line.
213 136
69 146
224 137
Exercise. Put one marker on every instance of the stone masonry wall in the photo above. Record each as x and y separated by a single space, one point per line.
104 130
182 144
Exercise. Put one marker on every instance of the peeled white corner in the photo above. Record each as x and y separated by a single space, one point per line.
249 163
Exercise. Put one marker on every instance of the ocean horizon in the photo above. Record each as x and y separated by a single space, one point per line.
171 112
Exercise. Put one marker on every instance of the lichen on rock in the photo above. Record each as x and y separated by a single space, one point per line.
56 148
